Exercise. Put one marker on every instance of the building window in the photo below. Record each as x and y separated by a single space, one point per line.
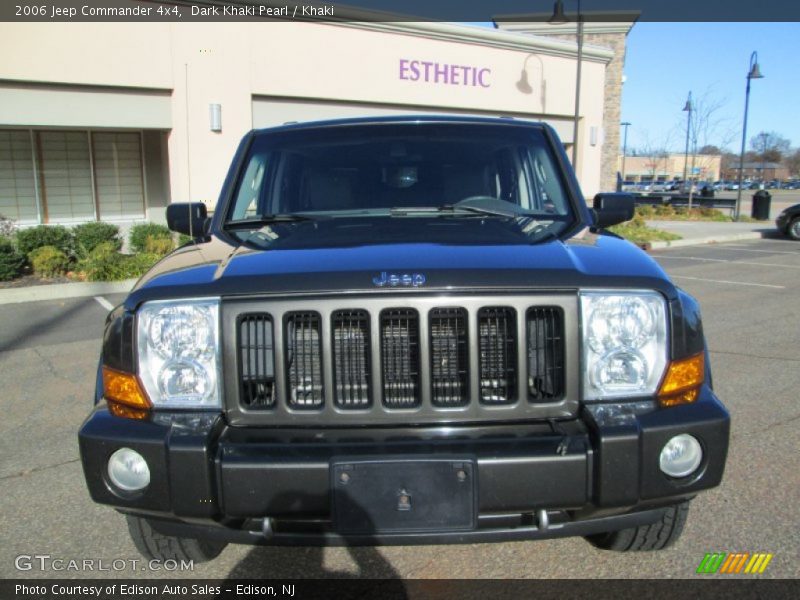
66 176
118 175
17 183
71 176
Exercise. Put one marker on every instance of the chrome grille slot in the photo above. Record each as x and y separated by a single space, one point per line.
448 349
304 360
545 328
256 361
497 332
400 357
351 365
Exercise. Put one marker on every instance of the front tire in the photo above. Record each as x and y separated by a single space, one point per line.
156 546
793 230
656 536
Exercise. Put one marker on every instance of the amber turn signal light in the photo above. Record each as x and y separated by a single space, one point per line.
124 395
681 385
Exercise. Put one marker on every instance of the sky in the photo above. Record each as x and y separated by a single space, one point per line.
665 61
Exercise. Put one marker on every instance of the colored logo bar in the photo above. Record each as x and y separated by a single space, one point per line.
734 563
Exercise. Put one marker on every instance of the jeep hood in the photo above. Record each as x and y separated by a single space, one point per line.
219 268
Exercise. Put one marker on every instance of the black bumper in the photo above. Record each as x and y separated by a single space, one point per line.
533 480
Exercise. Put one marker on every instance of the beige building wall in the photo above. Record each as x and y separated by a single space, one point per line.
602 33
163 77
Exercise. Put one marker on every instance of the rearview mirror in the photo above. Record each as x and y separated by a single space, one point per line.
188 218
612 209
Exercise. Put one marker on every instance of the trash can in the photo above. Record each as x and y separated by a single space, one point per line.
761 204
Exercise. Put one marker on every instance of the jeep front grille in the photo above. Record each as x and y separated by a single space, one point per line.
498 355
400 358
373 359
545 354
448 335
256 361
351 352
304 360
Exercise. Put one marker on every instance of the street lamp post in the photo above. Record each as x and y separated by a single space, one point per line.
558 18
688 110
753 73
625 124
763 137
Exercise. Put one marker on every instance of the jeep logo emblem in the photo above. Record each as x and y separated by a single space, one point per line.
399 279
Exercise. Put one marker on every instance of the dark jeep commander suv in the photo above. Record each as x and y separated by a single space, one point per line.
403 331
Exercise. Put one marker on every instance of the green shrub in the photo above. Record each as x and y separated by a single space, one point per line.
49 261
646 211
158 245
11 261
140 233
89 235
57 236
665 210
104 263
184 239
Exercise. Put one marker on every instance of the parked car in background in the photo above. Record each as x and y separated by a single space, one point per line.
788 222
659 186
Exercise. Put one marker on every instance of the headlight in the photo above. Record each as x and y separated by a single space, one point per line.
178 343
624 343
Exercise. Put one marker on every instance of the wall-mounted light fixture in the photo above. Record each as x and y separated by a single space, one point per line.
595 135
215 117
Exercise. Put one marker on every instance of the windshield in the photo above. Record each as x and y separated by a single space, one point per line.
391 170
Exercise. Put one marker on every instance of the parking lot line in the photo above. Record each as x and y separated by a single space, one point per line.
104 303
738 262
743 248
766 285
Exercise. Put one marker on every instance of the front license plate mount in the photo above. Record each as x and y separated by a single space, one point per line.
403 496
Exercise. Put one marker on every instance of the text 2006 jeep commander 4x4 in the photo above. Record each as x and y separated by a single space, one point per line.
403 331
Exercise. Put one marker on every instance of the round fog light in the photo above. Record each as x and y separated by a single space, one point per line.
128 470
681 456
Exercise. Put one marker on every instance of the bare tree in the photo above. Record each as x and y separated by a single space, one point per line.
657 155
770 146
707 129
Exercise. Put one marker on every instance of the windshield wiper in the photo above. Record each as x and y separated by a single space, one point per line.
266 220
476 205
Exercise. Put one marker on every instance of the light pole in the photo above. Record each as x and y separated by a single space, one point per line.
625 124
753 73
559 18
763 137
688 110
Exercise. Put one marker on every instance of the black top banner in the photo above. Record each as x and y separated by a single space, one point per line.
398 10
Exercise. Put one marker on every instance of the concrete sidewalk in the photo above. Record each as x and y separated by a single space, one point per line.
57 291
695 233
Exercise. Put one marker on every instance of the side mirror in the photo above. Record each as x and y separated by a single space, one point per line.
188 218
612 209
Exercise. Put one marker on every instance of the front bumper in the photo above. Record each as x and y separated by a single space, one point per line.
533 480
782 222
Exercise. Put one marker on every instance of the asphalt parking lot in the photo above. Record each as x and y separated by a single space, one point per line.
749 292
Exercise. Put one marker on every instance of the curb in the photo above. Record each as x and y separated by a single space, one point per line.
58 291
713 239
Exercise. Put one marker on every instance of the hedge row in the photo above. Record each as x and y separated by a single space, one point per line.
91 249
